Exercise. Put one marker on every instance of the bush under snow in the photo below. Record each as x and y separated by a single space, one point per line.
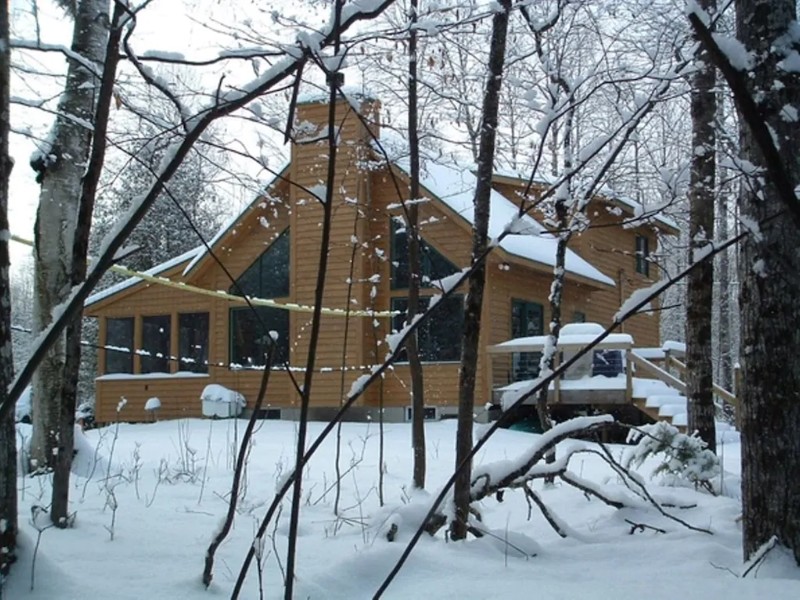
684 456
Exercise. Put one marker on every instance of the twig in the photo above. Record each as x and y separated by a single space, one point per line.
642 527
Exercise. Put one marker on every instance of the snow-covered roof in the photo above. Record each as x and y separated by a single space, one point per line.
535 343
131 281
635 208
455 186
323 94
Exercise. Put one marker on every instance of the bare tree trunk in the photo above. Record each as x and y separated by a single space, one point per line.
322 269
700 284
8 442
563 197
414 263
60 169
770 280
474 301
722 268
80 248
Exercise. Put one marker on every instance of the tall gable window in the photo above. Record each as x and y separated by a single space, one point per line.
155 344
439 337
527 319
642 255
434 264
119 345
268 278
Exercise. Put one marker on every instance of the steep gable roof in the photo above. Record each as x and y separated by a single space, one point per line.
626 204
528 239
449 184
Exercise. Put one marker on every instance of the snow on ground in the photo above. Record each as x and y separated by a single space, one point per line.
171 480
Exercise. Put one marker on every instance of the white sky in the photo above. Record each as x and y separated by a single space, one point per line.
166 25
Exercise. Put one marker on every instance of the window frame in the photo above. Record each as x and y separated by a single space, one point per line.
151 359
426 344
642 254
266 315
398 258
187 362
525 365
119 355
234 360
241 288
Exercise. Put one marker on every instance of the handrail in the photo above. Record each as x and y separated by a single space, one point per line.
657 372
720 391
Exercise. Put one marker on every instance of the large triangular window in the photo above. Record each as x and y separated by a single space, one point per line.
268 276
434 264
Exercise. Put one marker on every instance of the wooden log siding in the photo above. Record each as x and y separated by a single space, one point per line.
361 207
609 247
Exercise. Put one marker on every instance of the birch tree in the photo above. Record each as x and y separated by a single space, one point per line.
60 166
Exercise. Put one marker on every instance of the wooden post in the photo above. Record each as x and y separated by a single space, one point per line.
737 391
489 375
628 376
137 343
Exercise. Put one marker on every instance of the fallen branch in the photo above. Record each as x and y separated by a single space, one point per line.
760 555
550 517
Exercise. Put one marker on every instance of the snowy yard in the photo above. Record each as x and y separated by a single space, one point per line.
171 479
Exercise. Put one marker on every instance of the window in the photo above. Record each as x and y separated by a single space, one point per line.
268 276
155 344
439 337
250 335
119 336
642 255
193 342
433 264
527 319
579 317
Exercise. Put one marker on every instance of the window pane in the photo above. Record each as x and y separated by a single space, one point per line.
119 334
433 264
155 344
439 338
249 338
268 276
193 342
527 319
642 252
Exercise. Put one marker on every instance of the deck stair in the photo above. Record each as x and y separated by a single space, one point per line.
670 408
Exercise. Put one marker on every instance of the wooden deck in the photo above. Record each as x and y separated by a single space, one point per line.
657 390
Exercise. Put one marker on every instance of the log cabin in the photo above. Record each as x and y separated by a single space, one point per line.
184 325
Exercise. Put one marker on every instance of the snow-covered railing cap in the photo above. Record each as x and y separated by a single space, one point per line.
349 93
